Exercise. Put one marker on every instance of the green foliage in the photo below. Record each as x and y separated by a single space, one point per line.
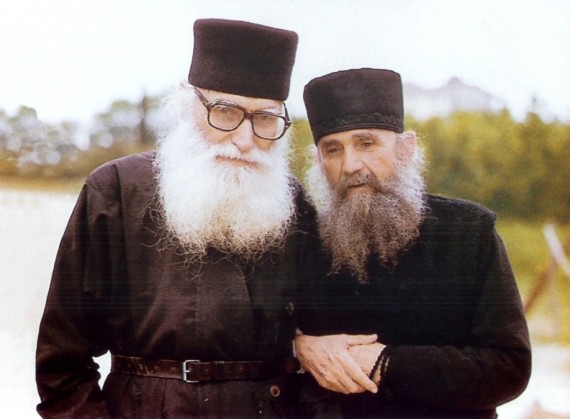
301 140
530 258
516 169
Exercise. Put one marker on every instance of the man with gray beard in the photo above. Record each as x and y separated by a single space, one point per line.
382 223
182 263
419 315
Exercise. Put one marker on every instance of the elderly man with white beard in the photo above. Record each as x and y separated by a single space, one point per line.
419 315
182 263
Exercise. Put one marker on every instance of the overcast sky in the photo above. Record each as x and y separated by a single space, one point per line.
70 59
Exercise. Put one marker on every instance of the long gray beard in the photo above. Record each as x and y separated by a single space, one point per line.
383 223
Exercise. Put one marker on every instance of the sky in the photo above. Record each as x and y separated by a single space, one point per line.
71 59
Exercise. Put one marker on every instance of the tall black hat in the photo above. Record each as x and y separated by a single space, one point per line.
353 99
242 58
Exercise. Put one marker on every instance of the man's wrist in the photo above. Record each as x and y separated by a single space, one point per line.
294 352
375 369
380 366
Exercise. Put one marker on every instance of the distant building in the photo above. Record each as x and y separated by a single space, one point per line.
455 95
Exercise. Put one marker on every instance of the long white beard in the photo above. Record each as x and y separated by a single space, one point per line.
210 203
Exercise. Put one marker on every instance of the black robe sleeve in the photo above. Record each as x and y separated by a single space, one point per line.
492 369
72 329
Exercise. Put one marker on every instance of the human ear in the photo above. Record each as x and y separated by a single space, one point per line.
407 143
314 154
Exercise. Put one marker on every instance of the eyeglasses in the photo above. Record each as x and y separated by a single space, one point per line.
227 116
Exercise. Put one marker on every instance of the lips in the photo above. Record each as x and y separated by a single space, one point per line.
359 182
356 185
237 161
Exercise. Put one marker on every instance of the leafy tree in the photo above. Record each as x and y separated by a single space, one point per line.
518 169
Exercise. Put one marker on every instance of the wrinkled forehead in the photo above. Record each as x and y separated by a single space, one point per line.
356 135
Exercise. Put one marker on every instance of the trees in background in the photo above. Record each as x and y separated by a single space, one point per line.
29 147
518 169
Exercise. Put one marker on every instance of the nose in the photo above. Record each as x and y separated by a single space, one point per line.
352 163
243 137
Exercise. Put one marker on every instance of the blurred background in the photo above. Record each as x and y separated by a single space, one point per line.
485 86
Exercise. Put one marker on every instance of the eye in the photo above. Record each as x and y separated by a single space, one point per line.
226 112
366 144
265 117
332 149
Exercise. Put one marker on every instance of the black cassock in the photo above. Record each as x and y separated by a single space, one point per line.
117 288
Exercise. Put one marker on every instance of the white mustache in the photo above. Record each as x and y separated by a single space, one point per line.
229 151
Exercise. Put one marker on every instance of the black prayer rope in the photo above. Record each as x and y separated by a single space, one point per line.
373 370
385 360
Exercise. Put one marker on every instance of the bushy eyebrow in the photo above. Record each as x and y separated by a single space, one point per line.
364 136
224 101
328 141
359 136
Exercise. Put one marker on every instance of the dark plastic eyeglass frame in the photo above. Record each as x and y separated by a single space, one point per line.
246 115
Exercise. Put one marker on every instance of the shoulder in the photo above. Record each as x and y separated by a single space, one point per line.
302 201
123 166
136 166
305 212
133 173
444 209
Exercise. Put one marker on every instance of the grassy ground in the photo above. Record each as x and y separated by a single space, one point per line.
41 184
549 317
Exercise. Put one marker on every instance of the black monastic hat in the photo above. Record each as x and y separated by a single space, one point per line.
242 58
354 99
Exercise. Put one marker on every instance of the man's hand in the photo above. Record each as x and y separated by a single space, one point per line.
329 360
366 356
